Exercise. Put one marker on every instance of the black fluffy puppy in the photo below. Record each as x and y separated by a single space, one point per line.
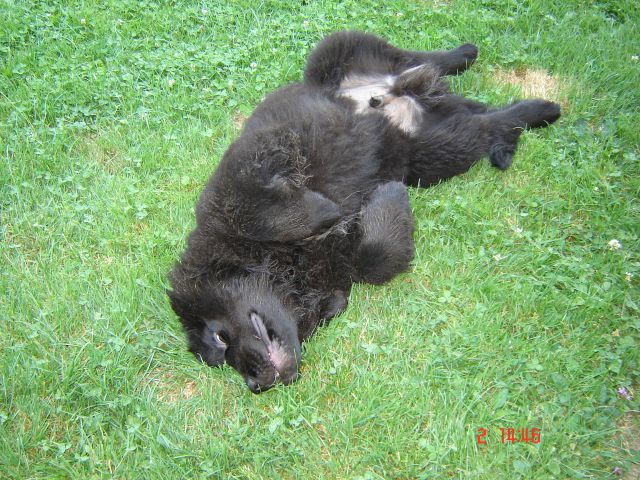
311 197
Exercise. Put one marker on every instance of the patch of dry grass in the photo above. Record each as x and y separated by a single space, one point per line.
534 83
170 389
238 120
100 151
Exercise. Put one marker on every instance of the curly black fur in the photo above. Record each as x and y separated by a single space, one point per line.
311 197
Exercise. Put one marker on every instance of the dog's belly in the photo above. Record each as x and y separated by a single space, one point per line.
402 111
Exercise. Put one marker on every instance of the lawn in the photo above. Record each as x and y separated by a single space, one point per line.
521 309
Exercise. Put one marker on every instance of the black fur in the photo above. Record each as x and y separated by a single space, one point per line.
386 225
310 197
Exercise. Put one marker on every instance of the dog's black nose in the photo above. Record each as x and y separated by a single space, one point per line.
375 102
253 385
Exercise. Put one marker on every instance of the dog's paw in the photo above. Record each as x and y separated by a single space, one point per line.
501 156
468 51
334 305
535 113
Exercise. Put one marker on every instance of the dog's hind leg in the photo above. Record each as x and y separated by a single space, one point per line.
386 224
448 62
355 53
519 116
450 147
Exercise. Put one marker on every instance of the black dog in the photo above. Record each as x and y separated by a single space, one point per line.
312 196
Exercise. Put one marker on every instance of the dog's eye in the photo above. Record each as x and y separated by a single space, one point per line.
271 333
220 338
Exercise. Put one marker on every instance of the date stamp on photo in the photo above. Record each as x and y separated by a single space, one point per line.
511 435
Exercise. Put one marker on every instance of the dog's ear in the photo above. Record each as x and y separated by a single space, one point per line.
195 303
181 305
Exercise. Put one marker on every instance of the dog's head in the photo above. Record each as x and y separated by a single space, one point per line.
243 322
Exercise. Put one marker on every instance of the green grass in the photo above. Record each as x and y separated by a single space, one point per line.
516 312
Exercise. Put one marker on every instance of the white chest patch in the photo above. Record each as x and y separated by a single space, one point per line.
404 112
360 89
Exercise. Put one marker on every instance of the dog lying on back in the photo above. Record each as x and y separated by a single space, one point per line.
311 197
